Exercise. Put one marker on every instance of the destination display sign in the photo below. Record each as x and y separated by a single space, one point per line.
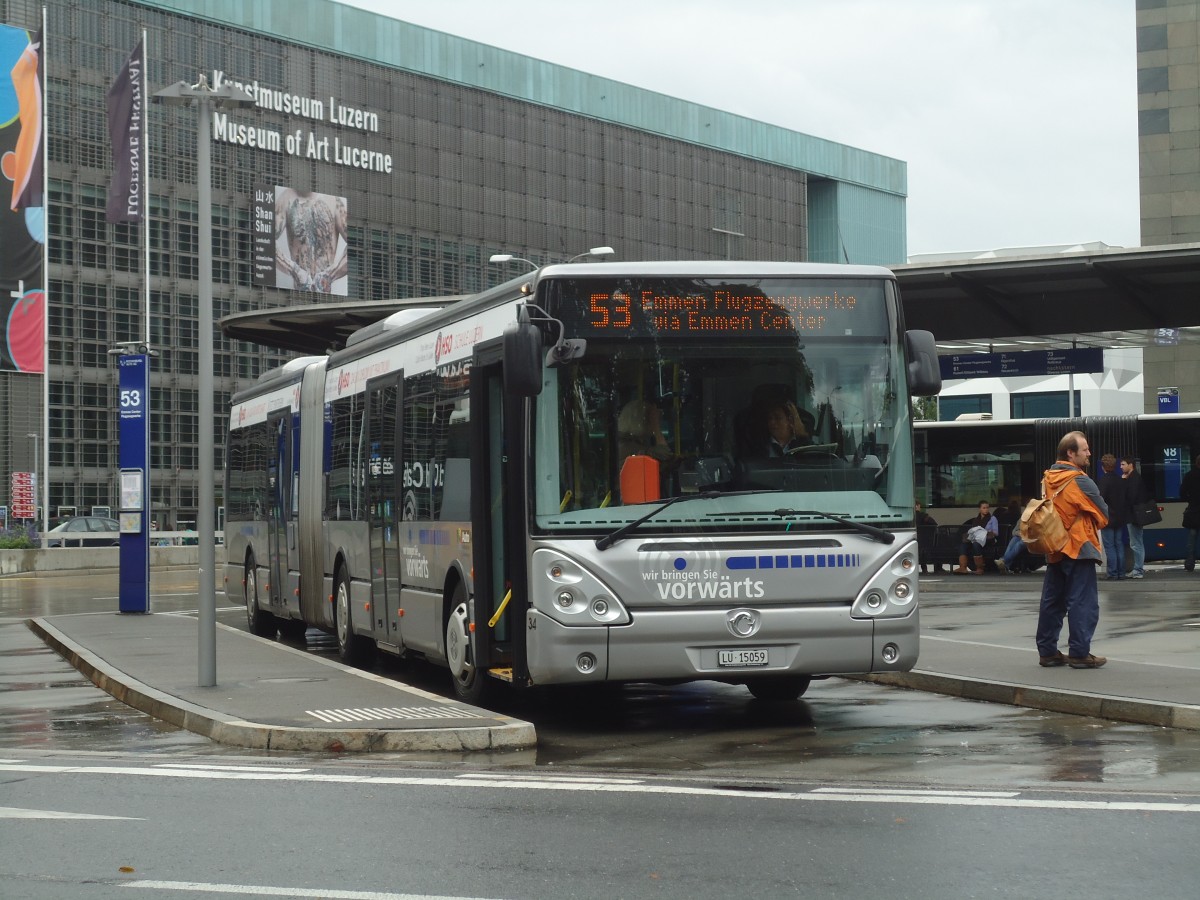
628 307
1023 362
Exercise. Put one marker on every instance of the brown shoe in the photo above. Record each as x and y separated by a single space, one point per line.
1049 661
1086 662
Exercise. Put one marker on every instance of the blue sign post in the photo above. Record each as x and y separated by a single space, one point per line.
1022 362
133 414
1168 399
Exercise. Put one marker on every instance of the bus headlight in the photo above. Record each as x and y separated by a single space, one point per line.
570 594
892 592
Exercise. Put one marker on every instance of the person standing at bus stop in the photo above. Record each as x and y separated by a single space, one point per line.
1189 493
1069 589
1136 493
1113 490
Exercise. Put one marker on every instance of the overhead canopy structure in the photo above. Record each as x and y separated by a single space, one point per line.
1114 296
1113 290
319 327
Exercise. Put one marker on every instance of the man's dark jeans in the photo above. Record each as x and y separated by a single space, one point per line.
1069 590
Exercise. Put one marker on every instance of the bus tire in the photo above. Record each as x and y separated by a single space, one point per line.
470 684
781 689
258 620
353 649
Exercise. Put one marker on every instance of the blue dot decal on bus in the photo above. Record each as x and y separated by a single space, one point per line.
680 564
796 561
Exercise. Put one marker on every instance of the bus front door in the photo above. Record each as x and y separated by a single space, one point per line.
382 472
498 522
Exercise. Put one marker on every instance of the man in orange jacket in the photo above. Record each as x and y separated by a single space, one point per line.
1069 589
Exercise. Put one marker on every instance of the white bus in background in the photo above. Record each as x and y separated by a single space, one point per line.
463 485
962 462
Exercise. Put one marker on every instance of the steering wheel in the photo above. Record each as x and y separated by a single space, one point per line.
806 449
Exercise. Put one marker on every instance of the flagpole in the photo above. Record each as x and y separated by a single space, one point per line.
45 67
146 187
149 505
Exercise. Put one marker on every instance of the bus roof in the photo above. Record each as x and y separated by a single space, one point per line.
713 269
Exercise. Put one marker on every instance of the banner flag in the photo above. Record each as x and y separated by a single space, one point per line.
27 168
126 121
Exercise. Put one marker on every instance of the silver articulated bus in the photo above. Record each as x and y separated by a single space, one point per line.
598 472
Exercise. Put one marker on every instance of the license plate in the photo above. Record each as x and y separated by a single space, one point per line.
747 657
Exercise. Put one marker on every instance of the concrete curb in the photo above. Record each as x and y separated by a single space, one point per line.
255 736
1121 709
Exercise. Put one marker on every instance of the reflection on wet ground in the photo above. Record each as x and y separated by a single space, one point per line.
842 731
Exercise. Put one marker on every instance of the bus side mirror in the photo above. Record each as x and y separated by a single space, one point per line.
924 372
522 360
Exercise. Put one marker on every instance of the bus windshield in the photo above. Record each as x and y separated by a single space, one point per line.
787 394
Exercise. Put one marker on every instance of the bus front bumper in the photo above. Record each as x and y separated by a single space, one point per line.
695 644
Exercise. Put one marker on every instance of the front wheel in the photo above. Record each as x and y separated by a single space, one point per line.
259 621
470 684
781 689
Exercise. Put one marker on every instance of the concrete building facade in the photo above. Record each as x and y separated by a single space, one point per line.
1168 74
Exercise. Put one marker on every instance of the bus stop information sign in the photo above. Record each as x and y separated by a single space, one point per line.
1024 362
133 417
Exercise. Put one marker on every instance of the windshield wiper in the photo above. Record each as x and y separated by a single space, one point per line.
878 534
629 527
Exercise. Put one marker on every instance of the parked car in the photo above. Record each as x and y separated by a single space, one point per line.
85 531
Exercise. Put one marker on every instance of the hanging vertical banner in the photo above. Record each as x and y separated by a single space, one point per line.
27 164
133 423
22 331
22 224
126 118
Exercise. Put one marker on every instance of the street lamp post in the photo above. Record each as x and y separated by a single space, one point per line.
499 258
205 98
593 253
729 236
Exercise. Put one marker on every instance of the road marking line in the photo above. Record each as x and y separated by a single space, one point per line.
262 890
916 793
565 779
613 787
208 768
946 640
12 812
361 714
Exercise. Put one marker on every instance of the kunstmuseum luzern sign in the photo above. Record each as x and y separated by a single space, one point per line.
302 142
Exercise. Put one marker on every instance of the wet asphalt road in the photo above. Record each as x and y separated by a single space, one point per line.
842 731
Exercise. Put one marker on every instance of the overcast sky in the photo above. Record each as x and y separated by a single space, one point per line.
1017 118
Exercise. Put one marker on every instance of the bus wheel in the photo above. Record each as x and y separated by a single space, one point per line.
786 687
470 684
259 621
353 649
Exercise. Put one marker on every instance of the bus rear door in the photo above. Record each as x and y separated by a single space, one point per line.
383 403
